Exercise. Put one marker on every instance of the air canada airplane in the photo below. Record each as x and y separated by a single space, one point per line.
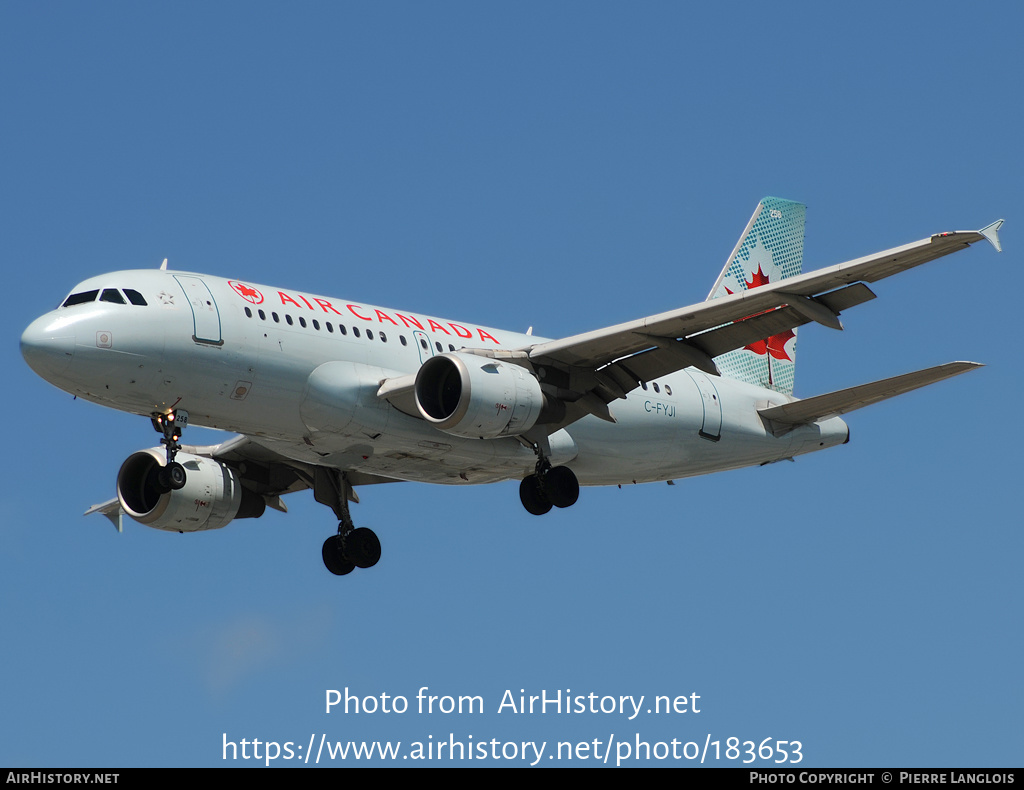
331 395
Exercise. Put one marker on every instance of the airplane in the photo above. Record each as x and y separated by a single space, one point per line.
330 395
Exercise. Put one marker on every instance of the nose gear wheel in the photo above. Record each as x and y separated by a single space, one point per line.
172 476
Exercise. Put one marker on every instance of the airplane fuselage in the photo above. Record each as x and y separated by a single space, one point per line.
328 395
300 374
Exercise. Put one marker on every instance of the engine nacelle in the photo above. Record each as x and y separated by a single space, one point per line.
213 494
478 397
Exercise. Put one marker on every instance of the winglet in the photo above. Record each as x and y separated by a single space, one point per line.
991 233
163 266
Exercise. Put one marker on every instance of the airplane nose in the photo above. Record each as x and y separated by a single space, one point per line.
48 346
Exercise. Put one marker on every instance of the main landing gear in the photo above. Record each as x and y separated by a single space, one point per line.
549 486
352 547
170 477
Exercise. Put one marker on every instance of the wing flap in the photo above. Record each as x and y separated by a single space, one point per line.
667 355
756 328
833 404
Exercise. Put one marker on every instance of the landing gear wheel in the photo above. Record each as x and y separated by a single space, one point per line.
171 477
351 548
532 496
362 547
334 557
561 486
176 477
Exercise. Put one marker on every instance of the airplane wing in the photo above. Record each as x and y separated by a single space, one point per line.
112 510
269 472
592 369
261 468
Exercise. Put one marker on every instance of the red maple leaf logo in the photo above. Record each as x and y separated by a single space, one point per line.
757 279
250 295
776 344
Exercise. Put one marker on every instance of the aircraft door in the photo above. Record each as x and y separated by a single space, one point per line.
205 315
423 345
711 428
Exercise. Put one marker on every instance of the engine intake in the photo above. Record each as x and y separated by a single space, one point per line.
213 494
477 397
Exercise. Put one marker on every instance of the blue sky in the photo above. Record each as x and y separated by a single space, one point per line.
563 166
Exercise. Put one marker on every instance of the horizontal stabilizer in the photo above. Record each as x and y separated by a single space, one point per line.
833 404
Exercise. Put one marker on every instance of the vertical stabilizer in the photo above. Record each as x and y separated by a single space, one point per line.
770 249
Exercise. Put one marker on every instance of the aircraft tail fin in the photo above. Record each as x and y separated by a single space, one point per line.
770 249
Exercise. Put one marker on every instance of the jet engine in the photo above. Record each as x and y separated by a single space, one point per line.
213 494
478 397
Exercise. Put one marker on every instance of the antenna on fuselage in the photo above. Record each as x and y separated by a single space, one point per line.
163 266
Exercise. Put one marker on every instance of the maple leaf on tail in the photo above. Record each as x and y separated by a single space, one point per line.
775 345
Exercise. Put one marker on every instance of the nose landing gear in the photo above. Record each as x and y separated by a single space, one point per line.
171 476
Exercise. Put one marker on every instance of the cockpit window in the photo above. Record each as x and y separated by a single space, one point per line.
80 298
111 295
135 297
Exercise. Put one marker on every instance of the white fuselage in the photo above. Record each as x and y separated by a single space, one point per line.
300 373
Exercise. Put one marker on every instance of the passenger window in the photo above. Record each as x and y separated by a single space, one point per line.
369 334
248 312
277 320
656 387
402 339
80 298
644 385
302 322
316 325
383 338
288 318
135 297
668 390
330 326
439 347
263 316
342 329
355 331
